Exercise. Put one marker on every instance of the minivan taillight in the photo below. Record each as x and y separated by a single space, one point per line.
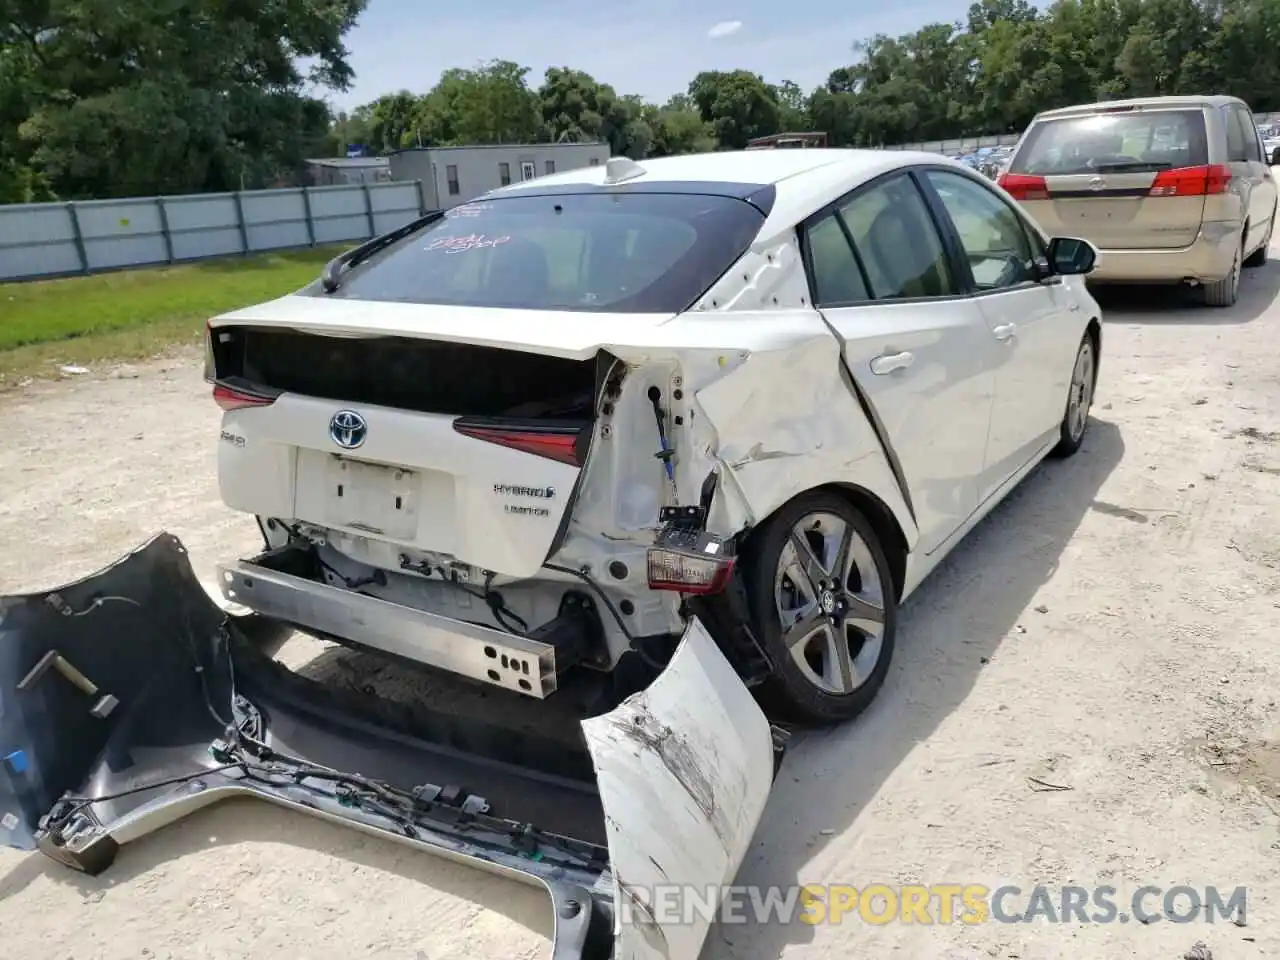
230 399
1022 186
1202 181
555 442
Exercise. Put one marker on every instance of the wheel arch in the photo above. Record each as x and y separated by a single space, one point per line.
887 529
1094 331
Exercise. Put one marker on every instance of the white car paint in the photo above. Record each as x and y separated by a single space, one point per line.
682 799
767 406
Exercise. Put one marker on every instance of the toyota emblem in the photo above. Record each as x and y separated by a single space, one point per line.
347 429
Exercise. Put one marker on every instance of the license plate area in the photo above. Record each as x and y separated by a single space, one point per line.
372 498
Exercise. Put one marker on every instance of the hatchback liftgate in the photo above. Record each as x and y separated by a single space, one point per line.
129 700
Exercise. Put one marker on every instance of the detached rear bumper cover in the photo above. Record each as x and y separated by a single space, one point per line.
676 783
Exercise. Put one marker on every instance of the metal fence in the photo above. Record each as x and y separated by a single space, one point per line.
62 239
960 144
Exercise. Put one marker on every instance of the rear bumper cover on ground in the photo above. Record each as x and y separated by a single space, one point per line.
674 784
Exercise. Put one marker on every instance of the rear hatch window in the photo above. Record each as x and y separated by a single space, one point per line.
1119 142
638 252
1125 179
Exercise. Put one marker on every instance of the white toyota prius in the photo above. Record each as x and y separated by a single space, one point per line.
661 445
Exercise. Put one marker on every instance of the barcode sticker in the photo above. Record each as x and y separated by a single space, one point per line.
9 821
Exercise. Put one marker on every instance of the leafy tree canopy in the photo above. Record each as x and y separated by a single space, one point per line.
124 97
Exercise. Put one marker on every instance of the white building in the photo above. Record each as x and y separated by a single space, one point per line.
454 175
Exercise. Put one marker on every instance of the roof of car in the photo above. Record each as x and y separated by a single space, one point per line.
805 179
1192 100
737 166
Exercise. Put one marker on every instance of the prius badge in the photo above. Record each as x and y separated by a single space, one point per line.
347 429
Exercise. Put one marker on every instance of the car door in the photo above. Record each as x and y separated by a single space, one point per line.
1244 178
918 349
1262 188
1027 313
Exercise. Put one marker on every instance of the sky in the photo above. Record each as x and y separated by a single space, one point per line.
650 47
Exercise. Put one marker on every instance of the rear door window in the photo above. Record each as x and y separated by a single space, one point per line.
837 278
1132 140
897 241
605 252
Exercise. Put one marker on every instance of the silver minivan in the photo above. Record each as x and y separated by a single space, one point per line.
1169 189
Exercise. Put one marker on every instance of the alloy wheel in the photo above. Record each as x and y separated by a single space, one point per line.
830 603
1081 397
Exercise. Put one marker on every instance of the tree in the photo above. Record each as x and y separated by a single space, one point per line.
147 95
738 104
390 122
491 103
793 107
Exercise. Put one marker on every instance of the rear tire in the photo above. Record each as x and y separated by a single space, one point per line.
1225 292
1275 157
1075 420
818 567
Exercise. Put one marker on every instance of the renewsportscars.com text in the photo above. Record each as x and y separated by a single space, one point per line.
941 904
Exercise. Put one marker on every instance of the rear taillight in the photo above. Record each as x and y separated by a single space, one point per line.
229 399
555 443
210 367
1021 186
686 572
685 558
1192 181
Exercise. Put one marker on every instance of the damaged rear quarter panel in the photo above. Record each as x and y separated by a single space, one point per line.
684 770
785 420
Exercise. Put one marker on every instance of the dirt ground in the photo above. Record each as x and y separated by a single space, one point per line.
1109 631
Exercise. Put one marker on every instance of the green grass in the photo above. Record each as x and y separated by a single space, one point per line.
136 313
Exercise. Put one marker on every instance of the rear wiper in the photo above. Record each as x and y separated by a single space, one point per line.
1134 166
330 280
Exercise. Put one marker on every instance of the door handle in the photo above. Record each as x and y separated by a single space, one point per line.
1005 331
890 362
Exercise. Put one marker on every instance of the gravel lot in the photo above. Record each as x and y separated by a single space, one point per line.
1105 630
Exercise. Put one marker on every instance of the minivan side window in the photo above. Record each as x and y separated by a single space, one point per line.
1249 133
897 242
1237 149
992 234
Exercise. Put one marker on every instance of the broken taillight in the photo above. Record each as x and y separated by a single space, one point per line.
210 363
1201 181
555 442
1023 186
231 399
687 559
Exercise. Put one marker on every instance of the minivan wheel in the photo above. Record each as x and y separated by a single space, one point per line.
1225 292
1275 157
823 605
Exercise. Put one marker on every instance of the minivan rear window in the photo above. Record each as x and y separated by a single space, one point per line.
1117 142
641 252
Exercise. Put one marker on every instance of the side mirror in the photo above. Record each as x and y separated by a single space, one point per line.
1071 256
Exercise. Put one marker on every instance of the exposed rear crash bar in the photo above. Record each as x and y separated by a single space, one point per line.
481 653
